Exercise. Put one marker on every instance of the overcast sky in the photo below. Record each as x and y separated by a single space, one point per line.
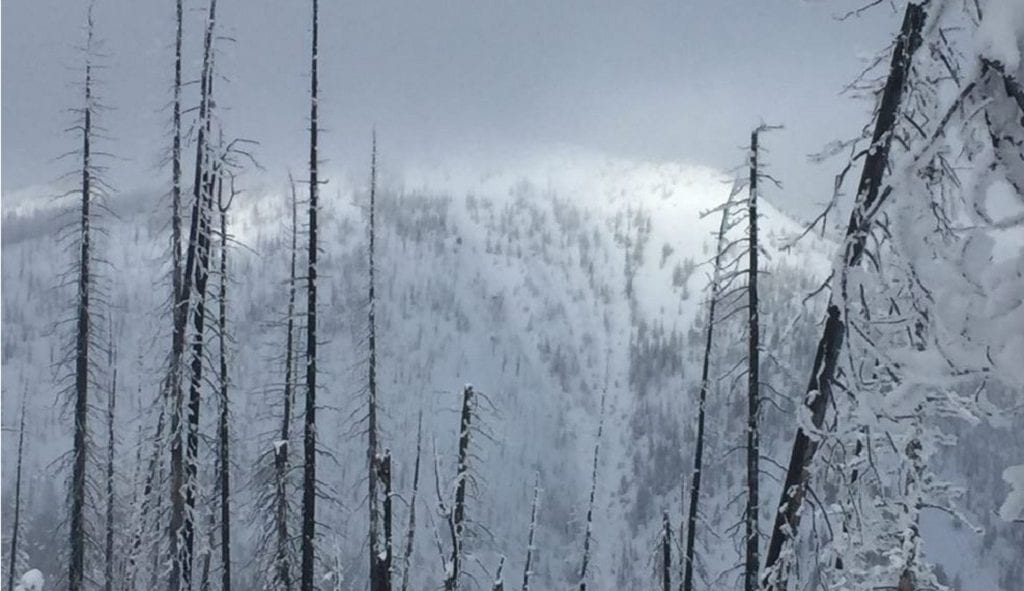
679 80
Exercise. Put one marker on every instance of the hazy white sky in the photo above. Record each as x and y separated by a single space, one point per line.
648 79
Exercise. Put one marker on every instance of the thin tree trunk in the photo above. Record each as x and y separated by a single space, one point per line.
282 573
176 159
410 531
666 553
378 581
179 312
384 561
588 536
458 515
698 452
108 570
223 449
752 562
153 466
76 564
204 577
207 177
183 470
309 434
533 530
16 527
819 388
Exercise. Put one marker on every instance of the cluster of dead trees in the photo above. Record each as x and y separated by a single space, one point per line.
166 546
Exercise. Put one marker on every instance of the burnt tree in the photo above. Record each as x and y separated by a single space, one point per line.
705 382
869 197
12 566
77 531
309 427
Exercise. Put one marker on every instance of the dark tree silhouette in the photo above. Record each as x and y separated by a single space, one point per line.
77 531
751 541
589 534
309 431
666 552
533 530
380 577
223 434
108 546
698 450
410 531
869 197
16 520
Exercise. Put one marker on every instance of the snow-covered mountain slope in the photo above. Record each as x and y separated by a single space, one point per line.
545 282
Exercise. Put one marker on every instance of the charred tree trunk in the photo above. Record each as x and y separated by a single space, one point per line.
666 552
108 546
384 560
819 389
309 432
153 467
176 159
198 351
458 515
179 313
223 435
705 381
184 469
282 572
752 562
533 530
16 526
588 536
410 531
76 564
379 581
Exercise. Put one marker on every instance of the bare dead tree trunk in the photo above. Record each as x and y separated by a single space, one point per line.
819 389
210 176
179 312
588 536
184 470
204 573
282 573
666 552
752 562
108 566
410 531
698 450
153 467
378 581
384 561
176 159
533 529
16 526
76 564
223 435
458 515
309 434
